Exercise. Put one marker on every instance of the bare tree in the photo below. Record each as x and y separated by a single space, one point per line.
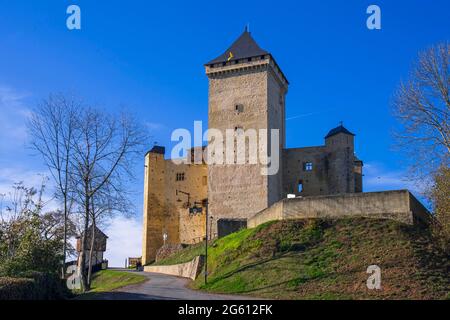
422 105
104 149
52 127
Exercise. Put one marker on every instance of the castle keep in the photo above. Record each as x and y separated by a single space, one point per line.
247 90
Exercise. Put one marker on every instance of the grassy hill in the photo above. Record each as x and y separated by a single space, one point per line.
325 259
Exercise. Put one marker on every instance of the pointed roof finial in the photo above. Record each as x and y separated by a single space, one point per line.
341 123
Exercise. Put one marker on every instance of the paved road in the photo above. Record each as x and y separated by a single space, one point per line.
162 287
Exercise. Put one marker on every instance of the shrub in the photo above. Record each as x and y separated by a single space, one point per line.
16 288
33 286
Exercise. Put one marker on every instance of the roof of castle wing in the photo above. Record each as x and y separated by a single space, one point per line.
244 47
339 129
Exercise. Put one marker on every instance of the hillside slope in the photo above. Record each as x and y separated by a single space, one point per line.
325 259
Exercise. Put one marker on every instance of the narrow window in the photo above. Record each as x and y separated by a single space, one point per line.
179 177
300 186
205 180
307 166
239 108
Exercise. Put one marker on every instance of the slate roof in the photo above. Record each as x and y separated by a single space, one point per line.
98 232
244 47
158 149
339 129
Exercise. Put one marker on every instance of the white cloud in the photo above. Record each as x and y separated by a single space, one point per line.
31 179
13 115
125 240
378 178
154 126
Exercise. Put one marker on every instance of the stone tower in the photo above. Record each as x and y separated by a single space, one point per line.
247 90
341 161
166 207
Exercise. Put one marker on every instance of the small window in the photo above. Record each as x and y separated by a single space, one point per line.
300 186
239 108
238 128
180 176
307 166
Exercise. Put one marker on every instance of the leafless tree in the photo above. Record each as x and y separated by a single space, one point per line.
422 105
52 126
105 148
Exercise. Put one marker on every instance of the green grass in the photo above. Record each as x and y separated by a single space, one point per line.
324 259
108 280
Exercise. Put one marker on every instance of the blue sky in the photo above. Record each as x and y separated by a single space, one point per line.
149 56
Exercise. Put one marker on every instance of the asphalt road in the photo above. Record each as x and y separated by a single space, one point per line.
162 287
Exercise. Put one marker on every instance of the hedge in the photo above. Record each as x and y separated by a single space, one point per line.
33 286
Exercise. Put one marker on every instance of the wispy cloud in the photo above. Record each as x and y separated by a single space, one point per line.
16 165
378 178
13 115
154 126
305 115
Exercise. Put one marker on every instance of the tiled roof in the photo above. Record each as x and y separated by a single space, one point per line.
244 47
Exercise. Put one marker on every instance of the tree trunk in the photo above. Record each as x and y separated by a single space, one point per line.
63 271
91 251
84 245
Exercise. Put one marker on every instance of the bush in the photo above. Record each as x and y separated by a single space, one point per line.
33 286
16 288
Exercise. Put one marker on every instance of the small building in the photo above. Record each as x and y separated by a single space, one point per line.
99 247
133 261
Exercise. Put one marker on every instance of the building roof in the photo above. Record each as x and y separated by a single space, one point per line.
339 129
158 149
244 47
98 233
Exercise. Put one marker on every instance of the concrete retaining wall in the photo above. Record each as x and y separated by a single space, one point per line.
186 270
399 205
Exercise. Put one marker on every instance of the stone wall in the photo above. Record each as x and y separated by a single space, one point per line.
335 168
399 205
164 210
186 270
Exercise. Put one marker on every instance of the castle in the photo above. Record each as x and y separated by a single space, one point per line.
247 89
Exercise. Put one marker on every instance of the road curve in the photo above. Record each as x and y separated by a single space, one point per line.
162 287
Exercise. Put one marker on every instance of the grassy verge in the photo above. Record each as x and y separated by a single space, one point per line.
183 256
109 280
325 259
